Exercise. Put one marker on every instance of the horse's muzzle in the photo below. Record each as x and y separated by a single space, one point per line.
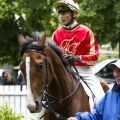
34 107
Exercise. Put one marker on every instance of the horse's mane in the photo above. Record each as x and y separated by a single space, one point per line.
59 52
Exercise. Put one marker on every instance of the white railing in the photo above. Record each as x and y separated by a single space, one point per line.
15 98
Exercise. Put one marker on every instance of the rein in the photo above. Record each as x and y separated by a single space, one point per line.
46 96
65 98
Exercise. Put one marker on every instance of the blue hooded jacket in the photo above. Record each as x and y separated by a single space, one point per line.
107 109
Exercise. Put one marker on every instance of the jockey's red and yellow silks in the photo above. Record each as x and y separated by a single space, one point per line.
79 41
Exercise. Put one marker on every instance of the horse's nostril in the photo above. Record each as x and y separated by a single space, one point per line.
37 105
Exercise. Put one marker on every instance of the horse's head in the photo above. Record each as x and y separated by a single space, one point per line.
34 70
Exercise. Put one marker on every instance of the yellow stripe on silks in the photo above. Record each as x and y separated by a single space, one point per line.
92 44
92 50
89 62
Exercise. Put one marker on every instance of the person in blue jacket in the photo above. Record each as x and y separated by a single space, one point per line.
109 106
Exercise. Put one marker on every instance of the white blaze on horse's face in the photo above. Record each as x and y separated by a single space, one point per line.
31 105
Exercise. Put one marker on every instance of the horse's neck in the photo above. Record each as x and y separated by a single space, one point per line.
63 79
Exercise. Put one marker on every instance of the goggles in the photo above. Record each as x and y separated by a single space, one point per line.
62 9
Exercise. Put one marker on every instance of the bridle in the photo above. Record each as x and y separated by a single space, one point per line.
45 95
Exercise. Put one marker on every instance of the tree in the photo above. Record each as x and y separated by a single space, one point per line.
103 17
8 32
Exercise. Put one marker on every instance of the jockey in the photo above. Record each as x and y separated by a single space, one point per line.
78 43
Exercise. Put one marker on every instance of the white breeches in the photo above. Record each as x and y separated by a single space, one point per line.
93 83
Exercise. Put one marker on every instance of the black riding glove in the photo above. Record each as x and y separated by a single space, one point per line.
71 59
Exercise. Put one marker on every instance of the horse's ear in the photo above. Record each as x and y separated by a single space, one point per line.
76 1
42 39
21 39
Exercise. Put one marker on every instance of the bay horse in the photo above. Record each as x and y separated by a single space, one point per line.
50 83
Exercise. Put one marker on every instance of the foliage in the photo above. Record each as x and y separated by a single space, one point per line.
7 114
8 32
106 57
103 17
16 16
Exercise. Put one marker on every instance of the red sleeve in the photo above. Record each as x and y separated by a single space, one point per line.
92 51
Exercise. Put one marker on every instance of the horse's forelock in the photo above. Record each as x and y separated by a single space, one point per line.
29 46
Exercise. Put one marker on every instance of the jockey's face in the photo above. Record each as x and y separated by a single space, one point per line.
117 74
66 17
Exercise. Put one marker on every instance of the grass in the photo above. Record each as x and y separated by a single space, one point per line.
6 113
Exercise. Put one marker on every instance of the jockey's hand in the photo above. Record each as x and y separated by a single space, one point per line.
71 59
36 35
72 118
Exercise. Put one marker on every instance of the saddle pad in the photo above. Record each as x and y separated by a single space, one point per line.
89 93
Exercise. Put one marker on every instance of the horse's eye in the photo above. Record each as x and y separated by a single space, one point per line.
39 67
